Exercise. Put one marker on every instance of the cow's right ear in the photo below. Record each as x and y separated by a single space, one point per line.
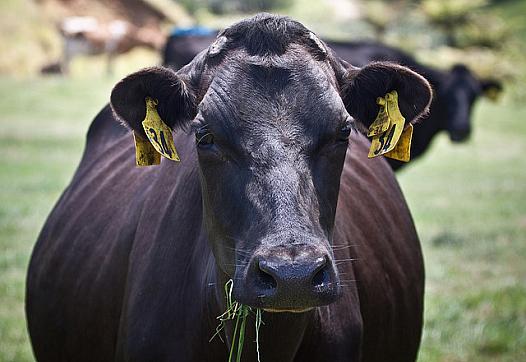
175 100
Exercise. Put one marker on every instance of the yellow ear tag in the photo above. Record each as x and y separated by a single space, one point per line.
402 150
385 142
159 134
492 94
381 123
145 154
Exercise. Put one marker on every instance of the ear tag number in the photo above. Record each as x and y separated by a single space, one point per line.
159 134
384 142
402 150
145 154
381 123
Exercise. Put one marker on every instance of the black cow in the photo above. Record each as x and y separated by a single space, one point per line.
184 44
455 91
274 191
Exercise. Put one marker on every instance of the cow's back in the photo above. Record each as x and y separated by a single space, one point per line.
180 50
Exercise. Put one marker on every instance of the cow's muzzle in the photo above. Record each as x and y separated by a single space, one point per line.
288 279
459 134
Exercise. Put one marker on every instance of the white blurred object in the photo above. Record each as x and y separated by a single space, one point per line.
85 35
78 24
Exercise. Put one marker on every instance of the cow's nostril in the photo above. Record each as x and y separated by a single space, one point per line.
265 279
322 277
289 284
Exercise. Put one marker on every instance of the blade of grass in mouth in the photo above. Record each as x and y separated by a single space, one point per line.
239 312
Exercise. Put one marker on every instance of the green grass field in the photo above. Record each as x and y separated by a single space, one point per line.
468 201
42 128
469 205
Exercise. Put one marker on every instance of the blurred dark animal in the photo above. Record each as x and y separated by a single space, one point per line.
51 68
88 36
456 90
184 44
132 262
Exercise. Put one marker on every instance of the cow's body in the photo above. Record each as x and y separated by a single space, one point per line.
123 269
129 270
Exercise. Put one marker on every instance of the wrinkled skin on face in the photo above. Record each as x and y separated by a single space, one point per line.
272 110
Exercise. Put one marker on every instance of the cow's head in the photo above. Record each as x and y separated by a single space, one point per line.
460 91
271 110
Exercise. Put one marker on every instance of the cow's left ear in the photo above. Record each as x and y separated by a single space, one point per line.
491 88
170 91
362 86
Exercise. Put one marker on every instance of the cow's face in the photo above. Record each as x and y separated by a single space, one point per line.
461 90
271 142
271 132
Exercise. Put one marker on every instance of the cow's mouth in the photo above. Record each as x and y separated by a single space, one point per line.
459 136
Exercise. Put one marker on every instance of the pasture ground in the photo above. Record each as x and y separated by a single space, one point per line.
468 201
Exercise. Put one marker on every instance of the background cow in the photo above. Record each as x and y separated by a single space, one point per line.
184 44
85 35
273 192
455 91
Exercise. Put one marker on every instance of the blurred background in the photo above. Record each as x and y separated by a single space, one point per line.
60 58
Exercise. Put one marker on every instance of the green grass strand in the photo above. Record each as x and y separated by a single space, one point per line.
259 320
241 339
233 343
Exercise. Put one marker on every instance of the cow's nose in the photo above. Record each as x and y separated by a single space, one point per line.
286 284
305 274
459 135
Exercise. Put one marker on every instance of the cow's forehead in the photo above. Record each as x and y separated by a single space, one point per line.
288 88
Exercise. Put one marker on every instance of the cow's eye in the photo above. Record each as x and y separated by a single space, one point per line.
345 131
203 137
